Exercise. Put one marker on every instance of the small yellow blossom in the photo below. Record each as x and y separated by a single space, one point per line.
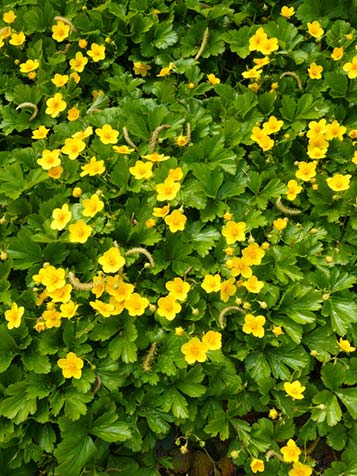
277 331
181 140
71 366
73 114
105 309
17 39
339 182
176 221
166 70
9 17
290 452
268 46
150 223
13 315
155 157
272 125
141 68
60 80
178 288
107 134
253 285
287 12
300 469
92 206
68 309
211 283
40 133
136 304
239 266
315 30
233 231
78 62
257 39
273 413
111 261
228 289
315 71
306 170
337 53
335 131
345 346
49 159
96 52
212 79
213 340
294 390
257 465
351 68
161 212
29 65
253 73
77 192
254 325
93 167
60 31
141 170
168 307
73 147
354 158
82 43
55 105
61 294
253 254
194 350
79 232
123 149
61 217
280 224
167 190
293 190
75 76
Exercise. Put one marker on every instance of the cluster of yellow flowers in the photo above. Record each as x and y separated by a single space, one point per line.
262 135
195 350
168 306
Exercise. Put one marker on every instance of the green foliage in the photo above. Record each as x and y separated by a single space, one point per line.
209 147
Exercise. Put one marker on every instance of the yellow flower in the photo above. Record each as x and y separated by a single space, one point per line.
212 79
293 190
61 294
257 465
253 254
315 71
14 315
136 304
257 39
94 167
273 413
55 105
123 149
71 366
141 170
55 172
335 131
92 206
111 261
176 221
96 52
351 68
280 224
290 452
337 53
272 125
168 307
228 289
73 114
287 12
266 143
211 283
9 17
260 62
60 80
233 231
268 46
61 216
75 76
78 62
300 469
82 43
345 346
29 65
194 350
339 182
175 174
77 192
79 232
68 309
49 159
277 331
52 318
253 73
179 331
166 70
105 309
167 190
294 390
150 223
60 31
315 29
161 212
178 288
239 266
107 134
141 68
117 287
17 39
213 340
155 157
73 147
254 325
316 152
306 170
52 278
253 285
40 133
181 140
88 131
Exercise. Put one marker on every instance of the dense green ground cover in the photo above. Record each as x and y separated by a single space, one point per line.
178 237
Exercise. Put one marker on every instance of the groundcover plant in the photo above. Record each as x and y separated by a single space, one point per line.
178 237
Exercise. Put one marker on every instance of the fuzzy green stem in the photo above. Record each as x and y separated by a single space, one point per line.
225 311
293 75
203 44
128 140
144 252
155 135
286 210
30 105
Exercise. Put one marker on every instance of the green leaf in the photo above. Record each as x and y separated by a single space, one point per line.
327 408
24 252
108 428
16 407
245 103
176 403
258 366
238 41
337 84
299 302
348 397
75 403
203 240
343 312
189 384
121 348
333 375
337 437
37 363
